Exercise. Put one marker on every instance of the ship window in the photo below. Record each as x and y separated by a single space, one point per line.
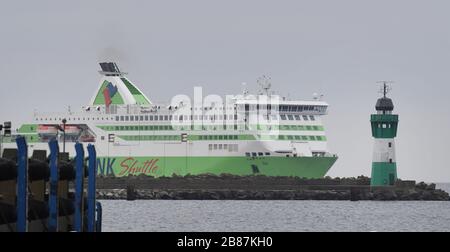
235 137
305 118
290 137
166 117
290 117
210 146
384 126
390 144
297 137
260 154
117 118
312 138
156 118
312 118
308 127
126 118
161 118
215 146
131 118
390 160
253 154
267 153
297 117
283 117
146 118
141 118
220 137
281 137
247 154
220 146
315 127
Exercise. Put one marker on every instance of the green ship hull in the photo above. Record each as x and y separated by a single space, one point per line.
307 167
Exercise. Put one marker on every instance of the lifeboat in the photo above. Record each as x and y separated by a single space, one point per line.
47 130
72 130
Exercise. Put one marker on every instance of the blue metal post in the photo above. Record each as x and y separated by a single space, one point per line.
98 222
53 192
22 185
92 172
79 181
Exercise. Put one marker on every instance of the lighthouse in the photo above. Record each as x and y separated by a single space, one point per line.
384 130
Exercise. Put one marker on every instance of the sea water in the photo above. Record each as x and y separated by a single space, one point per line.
273 215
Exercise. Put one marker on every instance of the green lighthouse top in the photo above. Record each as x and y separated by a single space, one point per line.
384 123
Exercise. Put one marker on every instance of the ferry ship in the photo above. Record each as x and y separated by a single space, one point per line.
260 134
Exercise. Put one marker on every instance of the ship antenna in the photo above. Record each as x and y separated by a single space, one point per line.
265 83
386 88
244 89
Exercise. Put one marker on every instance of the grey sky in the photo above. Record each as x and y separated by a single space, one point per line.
49 52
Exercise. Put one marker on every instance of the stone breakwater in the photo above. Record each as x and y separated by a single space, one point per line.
228 187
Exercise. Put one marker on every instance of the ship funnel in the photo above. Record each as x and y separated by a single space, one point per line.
116 89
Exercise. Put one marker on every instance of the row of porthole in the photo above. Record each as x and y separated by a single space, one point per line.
208 127
75 119
224 137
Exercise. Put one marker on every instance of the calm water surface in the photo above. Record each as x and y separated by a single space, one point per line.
234 215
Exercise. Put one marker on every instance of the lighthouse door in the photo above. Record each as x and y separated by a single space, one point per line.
391 179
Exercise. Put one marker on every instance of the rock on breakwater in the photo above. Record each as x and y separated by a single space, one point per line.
230 187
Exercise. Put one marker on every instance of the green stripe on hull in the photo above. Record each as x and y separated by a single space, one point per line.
383 174
308 167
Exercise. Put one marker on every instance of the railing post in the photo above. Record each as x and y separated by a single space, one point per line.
92 173
79 181
22 185
53 192
98 221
